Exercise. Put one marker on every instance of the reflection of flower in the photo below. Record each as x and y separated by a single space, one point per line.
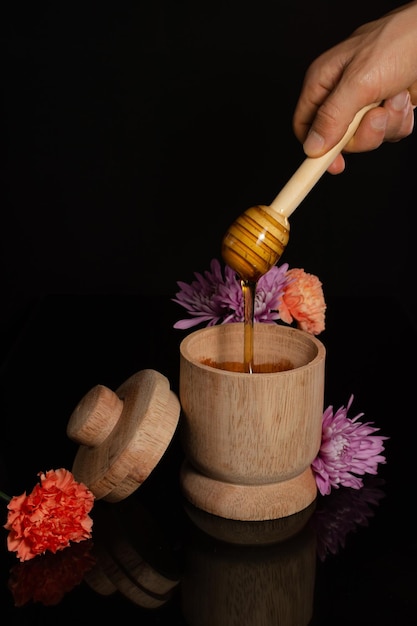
49 577
349 449
281 294
52 516
342 513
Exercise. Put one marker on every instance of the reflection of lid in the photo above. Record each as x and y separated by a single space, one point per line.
132 554
123 434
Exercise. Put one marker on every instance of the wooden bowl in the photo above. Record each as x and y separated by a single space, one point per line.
250 439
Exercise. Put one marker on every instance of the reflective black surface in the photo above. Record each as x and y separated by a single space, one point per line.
349 559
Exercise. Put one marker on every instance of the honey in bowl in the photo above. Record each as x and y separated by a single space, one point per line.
262 368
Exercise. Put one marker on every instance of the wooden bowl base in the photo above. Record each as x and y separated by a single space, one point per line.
248 502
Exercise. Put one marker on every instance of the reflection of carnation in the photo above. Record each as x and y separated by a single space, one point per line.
342 513
280 294
349 449
303 301
53 515
49 577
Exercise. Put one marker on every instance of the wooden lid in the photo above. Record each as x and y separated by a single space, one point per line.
123 434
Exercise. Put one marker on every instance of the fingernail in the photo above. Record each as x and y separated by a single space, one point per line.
379 122
400 101
314 143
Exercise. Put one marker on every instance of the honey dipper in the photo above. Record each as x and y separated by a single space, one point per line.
256 240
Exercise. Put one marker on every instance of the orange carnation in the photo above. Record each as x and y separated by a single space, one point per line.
53 515
303 301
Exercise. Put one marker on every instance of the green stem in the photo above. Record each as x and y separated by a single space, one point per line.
5 496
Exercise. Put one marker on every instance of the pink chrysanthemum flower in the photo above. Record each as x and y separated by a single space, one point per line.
303 301
349 449
218 299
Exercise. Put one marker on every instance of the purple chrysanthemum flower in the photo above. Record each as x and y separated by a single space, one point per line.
269 292
214 298
349 449
198 298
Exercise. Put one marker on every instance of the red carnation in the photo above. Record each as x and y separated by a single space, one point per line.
53 515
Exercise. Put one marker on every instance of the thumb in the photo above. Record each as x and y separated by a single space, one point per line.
330 125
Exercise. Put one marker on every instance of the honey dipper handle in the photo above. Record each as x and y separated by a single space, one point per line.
311 170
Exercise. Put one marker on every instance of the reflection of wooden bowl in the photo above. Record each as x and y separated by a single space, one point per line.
258 533
250 439
230 585
123 435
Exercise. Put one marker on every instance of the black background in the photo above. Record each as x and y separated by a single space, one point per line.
135 133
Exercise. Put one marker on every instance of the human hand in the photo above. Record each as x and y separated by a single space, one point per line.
377 63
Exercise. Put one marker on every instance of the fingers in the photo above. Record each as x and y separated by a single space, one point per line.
371 131
338 165
413 93
391 122
315 104
331 123
400 116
